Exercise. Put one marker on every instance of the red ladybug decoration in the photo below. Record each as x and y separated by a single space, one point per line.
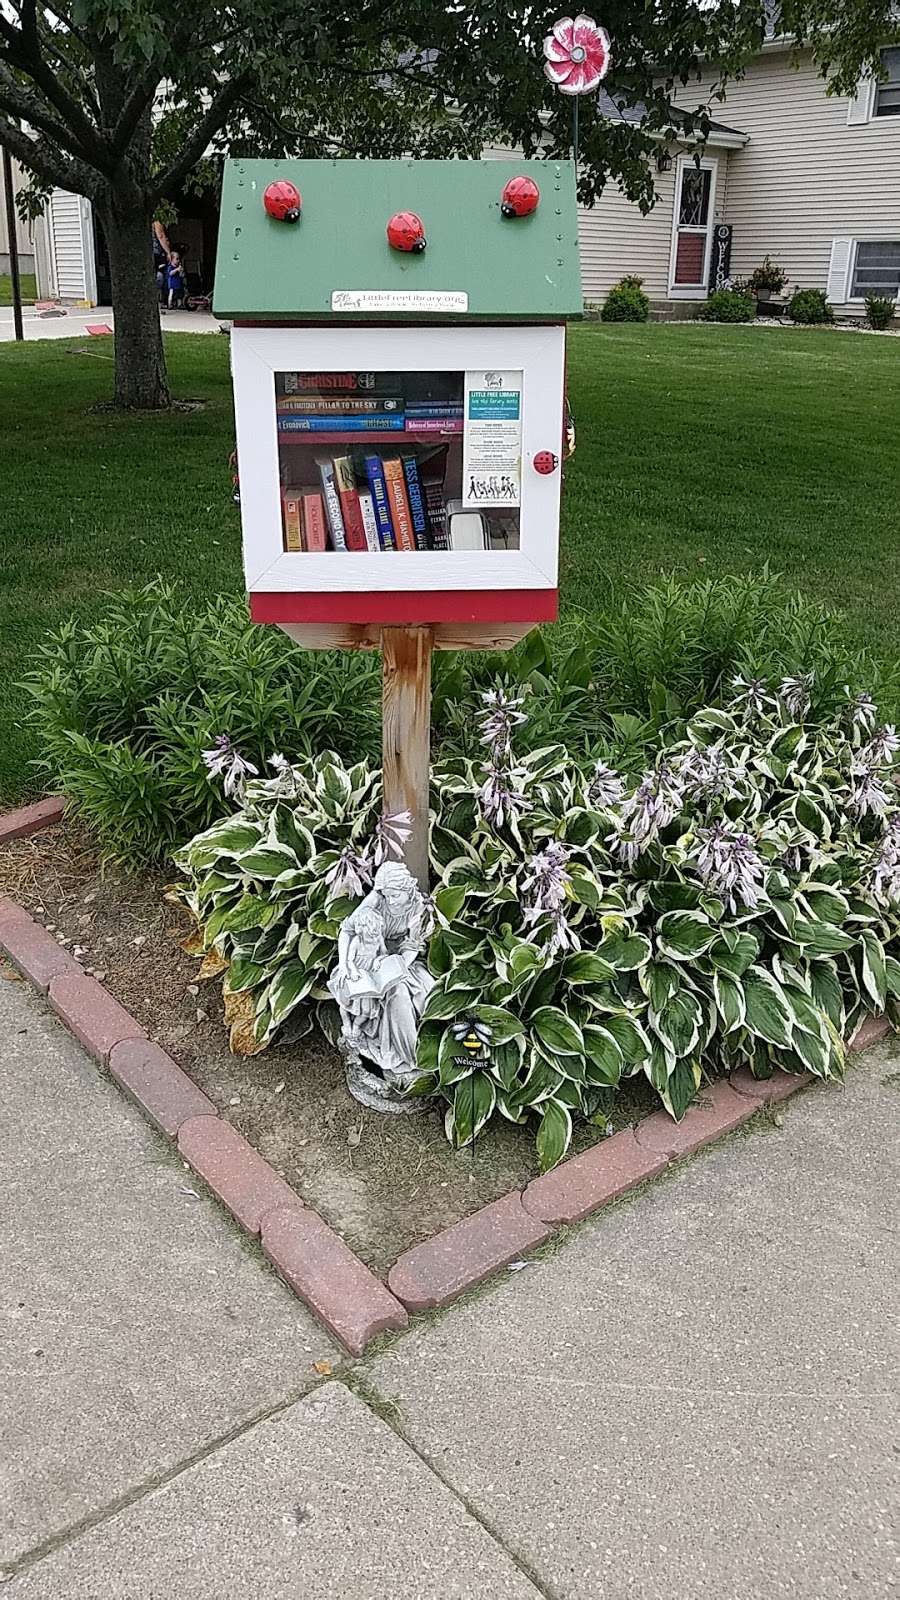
406 231
282 201
545 462
520 197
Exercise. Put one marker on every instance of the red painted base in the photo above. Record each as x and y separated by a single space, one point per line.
410 608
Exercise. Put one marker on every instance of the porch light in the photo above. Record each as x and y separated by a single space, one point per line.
664 160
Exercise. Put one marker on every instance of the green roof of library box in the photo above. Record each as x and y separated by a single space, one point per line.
509 269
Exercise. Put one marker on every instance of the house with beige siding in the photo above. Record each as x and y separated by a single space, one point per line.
788 170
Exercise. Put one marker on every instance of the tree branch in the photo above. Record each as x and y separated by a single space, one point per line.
224 101
17 102
23 52
71 175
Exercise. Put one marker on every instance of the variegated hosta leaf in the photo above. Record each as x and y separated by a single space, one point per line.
768 1013
684 935
554 1134
679 1022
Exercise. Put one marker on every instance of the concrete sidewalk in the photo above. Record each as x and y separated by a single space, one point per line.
74 323
693 1398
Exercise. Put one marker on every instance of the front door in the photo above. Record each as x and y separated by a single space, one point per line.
695 189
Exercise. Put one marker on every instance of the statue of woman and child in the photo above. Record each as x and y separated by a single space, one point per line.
381 986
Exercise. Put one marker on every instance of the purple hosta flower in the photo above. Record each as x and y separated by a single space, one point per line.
730 865
885 878
752 694
791 859
624 847
655 803
795 694
711 774
544 890
500 797
391 834
350 875
883 746
223 761
502 713
606 787
868 796
863 711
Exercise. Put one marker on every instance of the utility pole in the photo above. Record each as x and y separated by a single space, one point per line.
13 244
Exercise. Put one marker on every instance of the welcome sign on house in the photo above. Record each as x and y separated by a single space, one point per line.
398 356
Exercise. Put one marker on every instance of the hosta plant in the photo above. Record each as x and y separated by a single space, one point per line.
738 902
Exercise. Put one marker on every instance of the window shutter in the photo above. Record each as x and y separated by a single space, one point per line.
838 289
860 107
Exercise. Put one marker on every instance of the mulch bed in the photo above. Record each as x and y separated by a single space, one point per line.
383 1183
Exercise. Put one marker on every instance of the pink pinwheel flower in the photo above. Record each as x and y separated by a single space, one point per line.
577 55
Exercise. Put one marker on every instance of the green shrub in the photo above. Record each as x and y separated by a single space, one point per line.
738 905
810 305
728 305
126 707
626 302
879 311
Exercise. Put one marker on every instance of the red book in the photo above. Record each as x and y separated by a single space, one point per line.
315 535
351 511
398 502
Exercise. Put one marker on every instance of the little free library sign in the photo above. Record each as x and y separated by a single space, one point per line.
398 356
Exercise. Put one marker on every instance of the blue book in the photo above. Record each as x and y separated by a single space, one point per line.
378 486
375 422
428 408
416 501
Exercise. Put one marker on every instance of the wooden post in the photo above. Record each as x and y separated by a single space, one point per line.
406 735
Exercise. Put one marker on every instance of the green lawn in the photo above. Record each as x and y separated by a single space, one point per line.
702 450
28 285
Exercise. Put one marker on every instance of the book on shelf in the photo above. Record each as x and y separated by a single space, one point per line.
315 536
367 507
311 405
429 408
378 487
345 483
328 382
293 520
343 422
399 503
416 501
438 532
414 424
332 503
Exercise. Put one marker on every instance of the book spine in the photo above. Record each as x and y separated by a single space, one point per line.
438 530
416 502
434 424
370 523
399 504
345 483
314 522
332 504
341 422
415 408
293 529
328 405
378 486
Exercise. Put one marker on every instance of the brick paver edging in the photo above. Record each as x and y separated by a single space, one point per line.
31 819
311 1258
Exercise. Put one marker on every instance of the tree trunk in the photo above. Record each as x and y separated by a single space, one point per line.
141 381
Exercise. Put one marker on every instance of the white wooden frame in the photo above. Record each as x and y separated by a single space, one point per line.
698 290
258 353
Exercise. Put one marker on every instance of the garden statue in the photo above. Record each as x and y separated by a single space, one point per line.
381 985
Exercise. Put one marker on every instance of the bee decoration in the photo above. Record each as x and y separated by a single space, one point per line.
474 1036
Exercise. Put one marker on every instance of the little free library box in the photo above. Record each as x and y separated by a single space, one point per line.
398 355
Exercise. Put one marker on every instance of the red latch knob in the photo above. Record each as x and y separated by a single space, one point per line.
545 462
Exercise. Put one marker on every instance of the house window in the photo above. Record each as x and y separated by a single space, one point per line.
876 269
887 89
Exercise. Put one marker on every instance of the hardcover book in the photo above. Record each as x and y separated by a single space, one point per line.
399 504
343 422
416 501
314 530
311 405
438 533
378 486
332 504
345 483
293 526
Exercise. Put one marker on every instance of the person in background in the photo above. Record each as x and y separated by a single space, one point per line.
162 250
176 281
